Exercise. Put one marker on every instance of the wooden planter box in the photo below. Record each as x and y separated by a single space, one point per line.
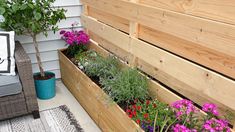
107 115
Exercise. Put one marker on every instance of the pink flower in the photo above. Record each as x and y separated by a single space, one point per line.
182 128
215 125
70 42
74 37
183 107
210 108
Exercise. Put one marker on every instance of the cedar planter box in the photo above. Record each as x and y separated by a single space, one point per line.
108 116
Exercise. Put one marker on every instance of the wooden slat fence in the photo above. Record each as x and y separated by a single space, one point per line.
189 46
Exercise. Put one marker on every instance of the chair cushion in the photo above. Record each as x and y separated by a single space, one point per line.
7 48
10 85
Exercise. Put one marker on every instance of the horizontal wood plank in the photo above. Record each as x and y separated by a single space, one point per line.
110 34
194 82
218 10
122 54
207 33
190 80
117 22
217 61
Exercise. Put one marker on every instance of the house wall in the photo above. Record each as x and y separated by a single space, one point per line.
48 45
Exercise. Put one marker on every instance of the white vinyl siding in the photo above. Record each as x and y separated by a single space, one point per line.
48 45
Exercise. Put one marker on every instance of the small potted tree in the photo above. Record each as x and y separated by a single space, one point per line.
31 17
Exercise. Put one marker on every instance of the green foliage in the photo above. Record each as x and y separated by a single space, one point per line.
30 17
123 86
76 50
152 113
126 86
104 68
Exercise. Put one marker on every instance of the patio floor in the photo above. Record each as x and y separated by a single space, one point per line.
64 97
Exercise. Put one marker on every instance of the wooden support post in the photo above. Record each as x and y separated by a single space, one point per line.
133 32
86 12
233 127
85 9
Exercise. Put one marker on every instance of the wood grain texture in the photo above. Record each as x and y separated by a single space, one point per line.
115 21
107 115
207 33
218 10
112 35
122 54
192 81
217 61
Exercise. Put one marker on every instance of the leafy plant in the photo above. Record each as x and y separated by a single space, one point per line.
30 17
152 113
77 41
181 116
126 86
104 68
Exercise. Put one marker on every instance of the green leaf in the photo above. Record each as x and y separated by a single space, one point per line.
15 7
31 6
37 16
23 7
2 10
34 28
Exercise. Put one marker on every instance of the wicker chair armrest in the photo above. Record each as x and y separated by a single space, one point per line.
24 67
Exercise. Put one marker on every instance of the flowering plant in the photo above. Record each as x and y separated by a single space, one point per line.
150 114
77 41
181 116
186 113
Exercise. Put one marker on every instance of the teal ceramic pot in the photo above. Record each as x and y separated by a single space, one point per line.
45 89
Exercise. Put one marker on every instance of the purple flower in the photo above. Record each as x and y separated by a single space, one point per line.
150 128
62 31
74 37
70 42
210 108
183 107
215 125
182 128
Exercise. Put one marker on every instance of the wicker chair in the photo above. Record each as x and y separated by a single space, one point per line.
26 101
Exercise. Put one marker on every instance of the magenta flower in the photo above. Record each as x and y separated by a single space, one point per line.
183 107
74 37
214 125
182 128
62 31
69 41
210 108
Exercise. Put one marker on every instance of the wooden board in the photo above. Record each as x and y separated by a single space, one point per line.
194 82
110 33
205 33
117 22
202 31
71 77
212 59
156 90
190 80
107 115
218 10
122 54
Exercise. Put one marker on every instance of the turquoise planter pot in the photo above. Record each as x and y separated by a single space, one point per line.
45 89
